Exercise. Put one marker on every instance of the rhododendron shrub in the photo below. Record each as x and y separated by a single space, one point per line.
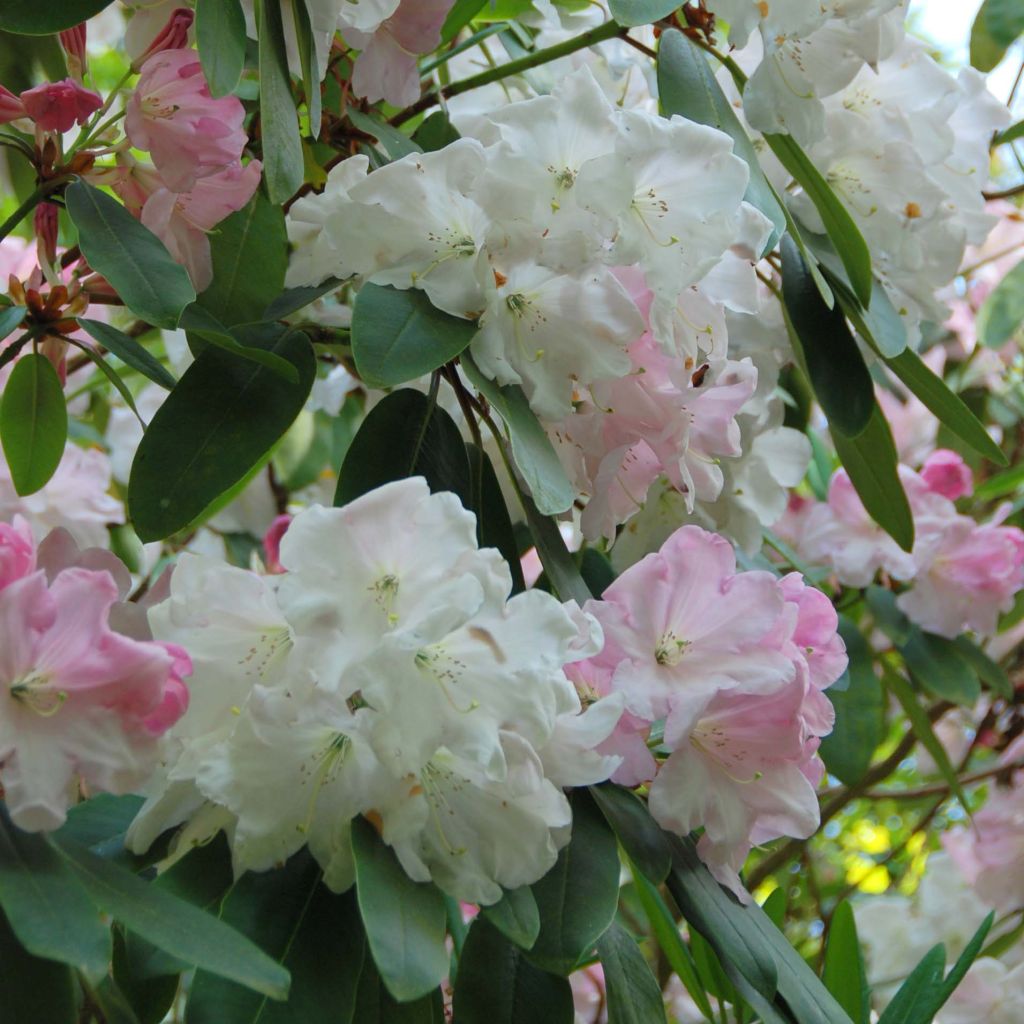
509 511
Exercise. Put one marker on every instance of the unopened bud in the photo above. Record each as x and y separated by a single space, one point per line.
173 36
73 41
45 225
11 107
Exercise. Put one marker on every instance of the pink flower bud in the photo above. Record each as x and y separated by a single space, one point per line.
45 227
73 41
173 36
58 106
11 108
947 474
272 543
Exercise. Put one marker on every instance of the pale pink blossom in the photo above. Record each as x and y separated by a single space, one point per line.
946 473
59 106
17 551
590 1001
171 114
991 993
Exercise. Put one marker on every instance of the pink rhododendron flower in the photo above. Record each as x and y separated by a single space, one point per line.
173 36
59 106
190 134
17 551
78 699
946 473
11 107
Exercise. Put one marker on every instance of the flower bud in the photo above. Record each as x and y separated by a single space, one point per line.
173 36
11 108
45 226
73 41
58 106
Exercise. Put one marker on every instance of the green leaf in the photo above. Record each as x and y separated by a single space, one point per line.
306 43
33 423
461 14
404 920
938 665
10 318
1011 134
134 261
293 299
643 840
1004 20
46 906
839 225
217 425
516 916
888 617
493 524
948 407
640 12
687 86
985 52
250 256
916 992
405 435
101 820
129 351
201 322
843 973
835 367
27 17
282 146
860 712
991 674
497 984
633 993
1002 312
114 377
173 925
33 989
562 571
398 336
395 143
577 898
435 133
220 36
870 459
531 448
1001 484
314 933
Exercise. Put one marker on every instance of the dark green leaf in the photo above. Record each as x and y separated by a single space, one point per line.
516 916
531 449
30 18
963 964
435 133
34 990
578 896
10 318
843 973
633 994
33 422
129 256
398 336
640 12
561 569
201 322
947 406
687 86
493 525
985 52
405 435
101 821
1001 484
860 711
498 985
282 146
870 459
643 840
888 617
173 925
114 377
113 1003
836 368
1002 312
937 665
294 299
46 906
394 142
1011 134
131 352
839 225
250 256
916 993
217 425
404 920
709 969
1004 20
991 674
306 42
220 36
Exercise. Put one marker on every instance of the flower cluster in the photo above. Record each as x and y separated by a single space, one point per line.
385 672
723 674
84 691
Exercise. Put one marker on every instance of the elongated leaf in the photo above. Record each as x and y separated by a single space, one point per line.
398 336
173 925
842 230
1011 134
405 435
131 352
250 255
1002 312
687 86
218 423
963 964
201 322
516 916
1004 20
860 711
307 58
33 989
985 52
562 571
220 36
294 299
46 906
497 984
947 406
888 617
461 14
870 459
531 449
906 1006
10 318
129 256
282 146
115 379
313 933
404 920
100 820
33 19
493 524
643 840
578 896
844 974
991 674
937 665
395 143
33 423
640 12
836 368
633 994
1001 484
